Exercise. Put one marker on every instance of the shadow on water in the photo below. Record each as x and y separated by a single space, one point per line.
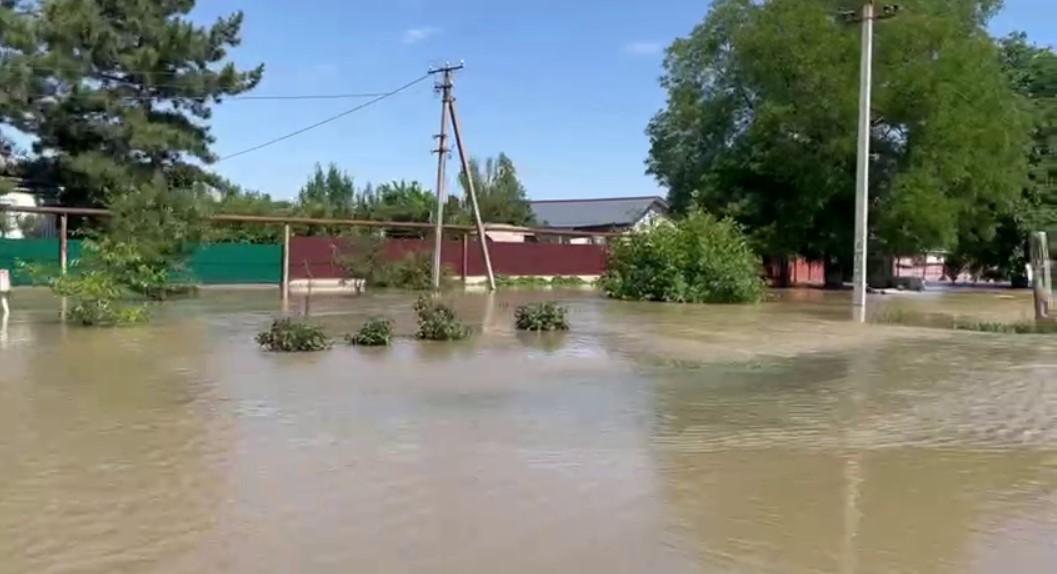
771 438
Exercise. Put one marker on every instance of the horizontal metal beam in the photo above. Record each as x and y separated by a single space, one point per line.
281 220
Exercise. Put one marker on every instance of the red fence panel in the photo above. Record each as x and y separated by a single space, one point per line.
516 259
318 257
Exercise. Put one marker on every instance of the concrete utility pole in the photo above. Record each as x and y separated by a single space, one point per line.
444 87
448 111
465 160
862 163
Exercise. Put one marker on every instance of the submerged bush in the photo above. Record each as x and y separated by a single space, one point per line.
97 297
437 321
290 336
367 261
541 317
376 332
698 259
97 300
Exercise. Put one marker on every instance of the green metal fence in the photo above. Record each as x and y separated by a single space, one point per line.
237 264
216 264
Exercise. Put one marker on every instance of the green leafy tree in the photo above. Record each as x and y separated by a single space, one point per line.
233 200
696 259
1032 70
403 201
500 195
117 93
328 194
151 234
760 126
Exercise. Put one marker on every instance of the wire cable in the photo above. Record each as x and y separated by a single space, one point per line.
177 74
258 97
325 121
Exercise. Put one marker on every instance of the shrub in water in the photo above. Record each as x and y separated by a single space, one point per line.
290 336
541 317
376 332
367 261
437 321
698 259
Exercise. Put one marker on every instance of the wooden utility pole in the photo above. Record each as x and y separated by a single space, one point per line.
447 111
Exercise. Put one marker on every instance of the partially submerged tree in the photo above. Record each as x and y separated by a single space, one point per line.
761 115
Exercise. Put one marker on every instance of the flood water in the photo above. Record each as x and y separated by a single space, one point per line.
652 438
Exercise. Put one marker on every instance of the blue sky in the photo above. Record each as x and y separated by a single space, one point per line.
563 87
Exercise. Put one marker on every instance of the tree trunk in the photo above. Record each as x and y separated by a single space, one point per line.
834 273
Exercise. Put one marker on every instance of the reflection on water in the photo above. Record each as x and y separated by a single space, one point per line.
651 438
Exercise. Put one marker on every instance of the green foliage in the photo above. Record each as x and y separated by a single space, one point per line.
329 194
698 259
505 282
99 297
150 235
376 332
292 336
116 93
233 200
1001 253
761 113
953 322
527 282
500 195
541 317
570 281
366 260
437 321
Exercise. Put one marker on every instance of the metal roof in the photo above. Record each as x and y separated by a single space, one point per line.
600 212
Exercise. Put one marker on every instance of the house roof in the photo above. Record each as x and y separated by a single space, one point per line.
598 212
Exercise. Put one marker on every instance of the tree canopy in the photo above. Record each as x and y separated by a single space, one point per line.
501 196
760 125
116 92
1032 71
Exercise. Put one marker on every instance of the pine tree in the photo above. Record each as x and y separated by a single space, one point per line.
118 92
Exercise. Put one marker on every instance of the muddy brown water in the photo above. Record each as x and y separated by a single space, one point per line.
777 438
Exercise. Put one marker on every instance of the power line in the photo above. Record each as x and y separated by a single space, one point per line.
175 75
258 97
325 121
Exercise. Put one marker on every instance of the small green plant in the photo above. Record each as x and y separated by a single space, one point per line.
523 282
541 317
376 332
570 281
506 282
437 321
290 336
